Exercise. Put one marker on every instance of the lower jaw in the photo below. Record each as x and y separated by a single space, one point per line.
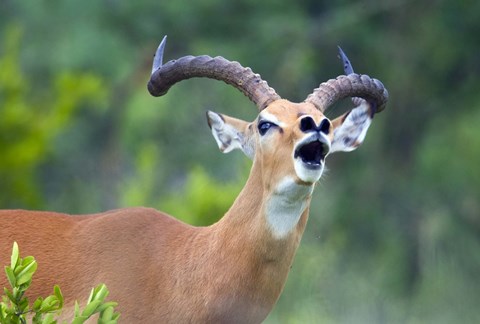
309 173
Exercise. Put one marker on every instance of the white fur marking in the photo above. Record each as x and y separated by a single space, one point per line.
353 130
285 206
226 136
271 118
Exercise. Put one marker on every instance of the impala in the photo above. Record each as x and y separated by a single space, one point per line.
161 270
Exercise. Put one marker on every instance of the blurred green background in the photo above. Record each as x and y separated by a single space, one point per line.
394 230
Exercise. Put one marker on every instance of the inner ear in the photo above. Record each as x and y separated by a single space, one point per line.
231 133
350 129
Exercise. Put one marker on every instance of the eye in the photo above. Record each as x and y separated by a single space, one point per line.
264 126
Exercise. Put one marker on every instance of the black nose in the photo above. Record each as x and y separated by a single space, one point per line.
325 126
307 124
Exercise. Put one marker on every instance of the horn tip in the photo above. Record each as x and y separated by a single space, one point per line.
158 57
347 66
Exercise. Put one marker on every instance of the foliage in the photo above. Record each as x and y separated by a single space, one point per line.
31 122
394 230
207 199
15 307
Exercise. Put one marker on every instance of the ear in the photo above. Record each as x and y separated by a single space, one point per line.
349 130
231 133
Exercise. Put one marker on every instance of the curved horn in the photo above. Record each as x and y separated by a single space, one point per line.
166 75
351 85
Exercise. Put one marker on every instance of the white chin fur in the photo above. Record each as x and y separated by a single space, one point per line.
306 173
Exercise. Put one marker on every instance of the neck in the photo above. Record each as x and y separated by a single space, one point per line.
255 243
268 220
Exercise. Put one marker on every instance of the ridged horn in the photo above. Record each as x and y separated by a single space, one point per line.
166 75
350 85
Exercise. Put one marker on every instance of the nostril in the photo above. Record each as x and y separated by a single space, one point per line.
307 124
325 126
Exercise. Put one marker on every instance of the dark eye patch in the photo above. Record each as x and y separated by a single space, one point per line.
264 126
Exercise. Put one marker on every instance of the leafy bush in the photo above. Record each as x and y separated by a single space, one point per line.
15 307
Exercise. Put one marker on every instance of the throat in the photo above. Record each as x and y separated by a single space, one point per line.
285 205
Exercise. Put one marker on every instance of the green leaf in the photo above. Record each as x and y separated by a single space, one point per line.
11 276
26 274
37 318
15 255
104 306
9 295
90 297
101 292
91 308
23 305
49 304
79 319
48 319
37 304
28 259
107 313
57 292
22 264
77 309
109 322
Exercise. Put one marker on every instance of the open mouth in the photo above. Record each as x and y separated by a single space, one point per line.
312 154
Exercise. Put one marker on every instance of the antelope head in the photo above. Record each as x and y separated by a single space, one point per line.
286 140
